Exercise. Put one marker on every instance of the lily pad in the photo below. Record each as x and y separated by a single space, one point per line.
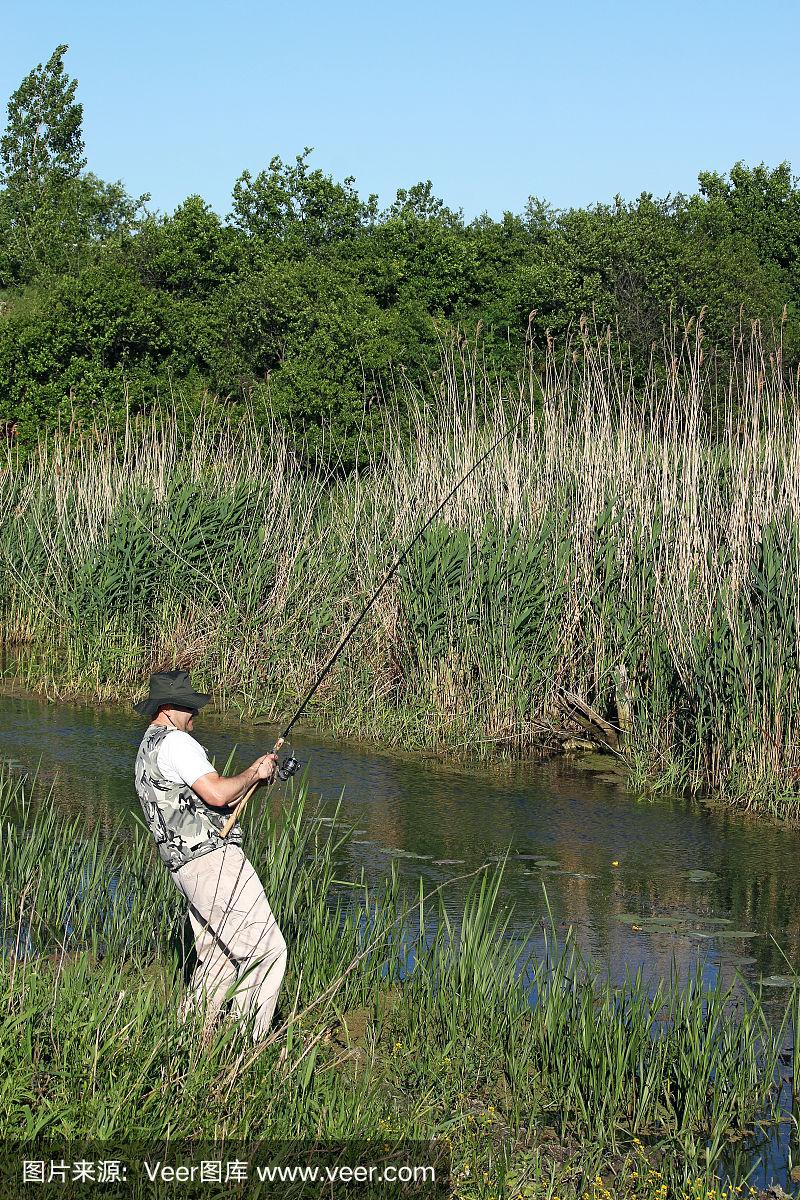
664 927
546 862
631 918
698 875
777 981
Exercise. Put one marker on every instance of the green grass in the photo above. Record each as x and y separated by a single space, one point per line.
627 531
535 1075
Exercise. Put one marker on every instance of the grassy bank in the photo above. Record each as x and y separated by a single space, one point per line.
538 1079
627 563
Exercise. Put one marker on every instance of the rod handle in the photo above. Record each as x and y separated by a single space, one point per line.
240 807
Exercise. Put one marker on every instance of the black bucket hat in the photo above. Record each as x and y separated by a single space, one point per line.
173 688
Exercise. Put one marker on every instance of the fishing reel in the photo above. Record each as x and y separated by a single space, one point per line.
288 767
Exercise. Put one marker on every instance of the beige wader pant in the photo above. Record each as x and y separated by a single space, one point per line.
241 954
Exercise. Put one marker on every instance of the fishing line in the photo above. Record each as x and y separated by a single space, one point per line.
290 764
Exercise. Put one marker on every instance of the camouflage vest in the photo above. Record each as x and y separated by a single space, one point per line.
183 826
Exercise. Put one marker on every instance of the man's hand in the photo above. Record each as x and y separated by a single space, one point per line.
266 766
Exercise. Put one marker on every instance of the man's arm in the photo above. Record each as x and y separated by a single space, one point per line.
221 791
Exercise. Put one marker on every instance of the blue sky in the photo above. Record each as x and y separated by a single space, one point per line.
570 102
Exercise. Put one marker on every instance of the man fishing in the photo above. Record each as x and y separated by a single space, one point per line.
241 952
237 938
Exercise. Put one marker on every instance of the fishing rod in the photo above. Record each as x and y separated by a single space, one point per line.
290 764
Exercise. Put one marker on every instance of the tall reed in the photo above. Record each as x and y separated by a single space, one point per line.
632 543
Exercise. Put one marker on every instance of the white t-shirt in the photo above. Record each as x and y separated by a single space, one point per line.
181 759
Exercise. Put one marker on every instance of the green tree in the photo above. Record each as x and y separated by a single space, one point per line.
750 219
42 158
87 347
304 340
295 210
190 253
44 138
760 204
50 212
